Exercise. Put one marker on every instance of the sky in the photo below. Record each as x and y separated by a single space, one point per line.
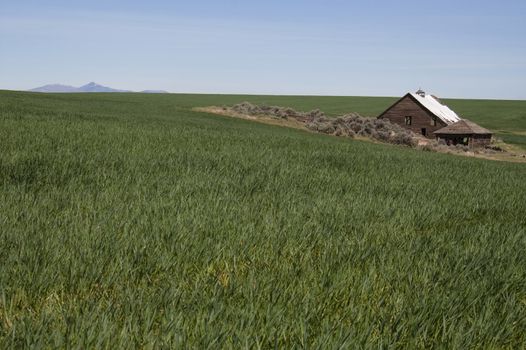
462 48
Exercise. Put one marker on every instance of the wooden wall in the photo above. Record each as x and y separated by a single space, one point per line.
421 118
474 140
479 140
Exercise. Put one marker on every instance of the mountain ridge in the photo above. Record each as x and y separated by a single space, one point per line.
90 87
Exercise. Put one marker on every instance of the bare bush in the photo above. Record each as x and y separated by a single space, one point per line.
348 125
278 112
462 147
493 148
353 124
403 138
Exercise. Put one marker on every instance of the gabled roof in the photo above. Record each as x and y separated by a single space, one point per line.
441 111
463 127
431 104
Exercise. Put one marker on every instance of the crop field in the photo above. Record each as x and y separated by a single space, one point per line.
130 220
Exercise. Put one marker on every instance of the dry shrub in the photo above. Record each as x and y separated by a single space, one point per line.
352 124
348 125
493 148
462 148
277 112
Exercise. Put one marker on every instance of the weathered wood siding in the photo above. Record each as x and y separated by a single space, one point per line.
479 140
421 117
474 140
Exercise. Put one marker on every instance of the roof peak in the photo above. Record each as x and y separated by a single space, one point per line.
434 105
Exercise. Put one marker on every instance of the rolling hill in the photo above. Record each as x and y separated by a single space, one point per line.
131 220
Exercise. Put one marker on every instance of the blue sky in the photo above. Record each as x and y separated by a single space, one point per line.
472 49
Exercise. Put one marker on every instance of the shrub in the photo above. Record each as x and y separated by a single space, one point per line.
494 148
403 138
461 147
339 131
326 128
379 123
315 114
289 112
356 127
312 126
349 125
247 108
382 135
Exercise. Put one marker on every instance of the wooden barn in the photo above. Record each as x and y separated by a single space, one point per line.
421 113
464 132
424 114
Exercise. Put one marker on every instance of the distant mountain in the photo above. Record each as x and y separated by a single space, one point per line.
90 87
93 87
55 88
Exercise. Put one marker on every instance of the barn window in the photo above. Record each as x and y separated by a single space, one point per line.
434 121
408 120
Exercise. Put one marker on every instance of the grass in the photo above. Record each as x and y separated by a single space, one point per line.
129 220
506 118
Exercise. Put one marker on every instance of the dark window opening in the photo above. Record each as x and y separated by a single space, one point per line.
408 120
424 131
434 121
458 140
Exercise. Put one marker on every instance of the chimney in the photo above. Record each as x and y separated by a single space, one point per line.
421 93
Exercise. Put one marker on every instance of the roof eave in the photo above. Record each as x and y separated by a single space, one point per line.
438 132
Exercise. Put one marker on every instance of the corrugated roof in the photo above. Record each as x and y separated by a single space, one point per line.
443 112
463 127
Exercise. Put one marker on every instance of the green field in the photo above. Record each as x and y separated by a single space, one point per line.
506 118
128 220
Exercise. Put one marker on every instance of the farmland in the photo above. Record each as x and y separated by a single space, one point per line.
130 220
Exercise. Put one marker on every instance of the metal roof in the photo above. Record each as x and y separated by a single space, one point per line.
441 111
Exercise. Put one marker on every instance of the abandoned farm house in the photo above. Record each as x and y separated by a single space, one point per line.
424 114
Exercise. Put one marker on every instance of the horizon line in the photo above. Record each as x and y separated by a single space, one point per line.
258 94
